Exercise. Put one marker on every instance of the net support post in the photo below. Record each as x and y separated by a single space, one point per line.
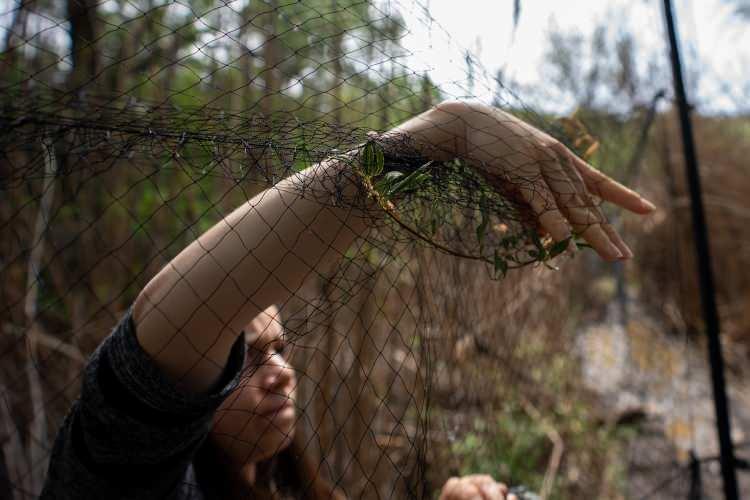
706 281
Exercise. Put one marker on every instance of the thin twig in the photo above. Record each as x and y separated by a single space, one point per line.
389 209
558 447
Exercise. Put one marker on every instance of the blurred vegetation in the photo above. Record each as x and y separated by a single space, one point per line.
506 379
613 97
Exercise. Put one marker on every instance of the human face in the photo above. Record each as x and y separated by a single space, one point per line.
258 419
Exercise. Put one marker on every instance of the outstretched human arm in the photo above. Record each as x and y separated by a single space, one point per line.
190 314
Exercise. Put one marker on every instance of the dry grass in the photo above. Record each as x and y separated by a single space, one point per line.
666 267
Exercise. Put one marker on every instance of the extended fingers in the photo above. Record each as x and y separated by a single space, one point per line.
617 240
584 216
613 235
610 190
542 201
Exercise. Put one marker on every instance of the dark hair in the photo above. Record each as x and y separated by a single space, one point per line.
291 473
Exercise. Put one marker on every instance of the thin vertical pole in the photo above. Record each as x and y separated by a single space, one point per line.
696 483
708 293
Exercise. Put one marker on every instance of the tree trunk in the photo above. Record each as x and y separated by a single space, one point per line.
242 93
17 31
385 94
271 73
38 442
364 449
336 54
81 15
170 72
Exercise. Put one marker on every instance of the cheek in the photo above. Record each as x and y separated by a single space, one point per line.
239 407
244 398
235 411
246 436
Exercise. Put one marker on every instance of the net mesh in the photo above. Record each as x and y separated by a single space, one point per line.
244 154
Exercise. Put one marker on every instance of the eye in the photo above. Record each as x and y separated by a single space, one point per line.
281 348
253 356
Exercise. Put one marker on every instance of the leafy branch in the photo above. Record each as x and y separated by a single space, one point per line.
511 252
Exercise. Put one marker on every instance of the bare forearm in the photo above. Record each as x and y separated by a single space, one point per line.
191 313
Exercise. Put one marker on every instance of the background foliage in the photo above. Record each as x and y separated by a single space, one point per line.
503 385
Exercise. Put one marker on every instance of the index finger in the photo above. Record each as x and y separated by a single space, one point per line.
609 189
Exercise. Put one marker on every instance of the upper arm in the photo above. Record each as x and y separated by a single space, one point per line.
131 434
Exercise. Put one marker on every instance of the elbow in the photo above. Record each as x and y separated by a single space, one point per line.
452 106
460 107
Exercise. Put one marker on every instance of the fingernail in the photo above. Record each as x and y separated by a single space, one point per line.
614 252
648 205
628 251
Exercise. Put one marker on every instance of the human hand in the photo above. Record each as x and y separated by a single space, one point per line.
475 487
531 167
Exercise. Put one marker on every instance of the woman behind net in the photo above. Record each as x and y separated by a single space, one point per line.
173 403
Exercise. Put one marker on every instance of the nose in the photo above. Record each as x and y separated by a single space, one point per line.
276 372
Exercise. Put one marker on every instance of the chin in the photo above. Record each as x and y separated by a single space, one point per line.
285 440
276 434
274 443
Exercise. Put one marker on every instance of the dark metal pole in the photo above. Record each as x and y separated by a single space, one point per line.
708 293
696 484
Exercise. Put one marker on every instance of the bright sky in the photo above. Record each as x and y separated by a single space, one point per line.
712 39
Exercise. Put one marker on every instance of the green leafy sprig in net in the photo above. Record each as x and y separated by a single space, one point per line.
449 206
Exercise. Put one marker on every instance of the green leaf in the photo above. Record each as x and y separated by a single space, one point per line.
559 247
411 182
372 160
541 252
379 160
384 185
302 157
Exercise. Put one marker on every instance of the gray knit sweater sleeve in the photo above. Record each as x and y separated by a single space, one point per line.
132 434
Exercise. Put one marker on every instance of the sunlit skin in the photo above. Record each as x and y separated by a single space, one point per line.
475 487
258 419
